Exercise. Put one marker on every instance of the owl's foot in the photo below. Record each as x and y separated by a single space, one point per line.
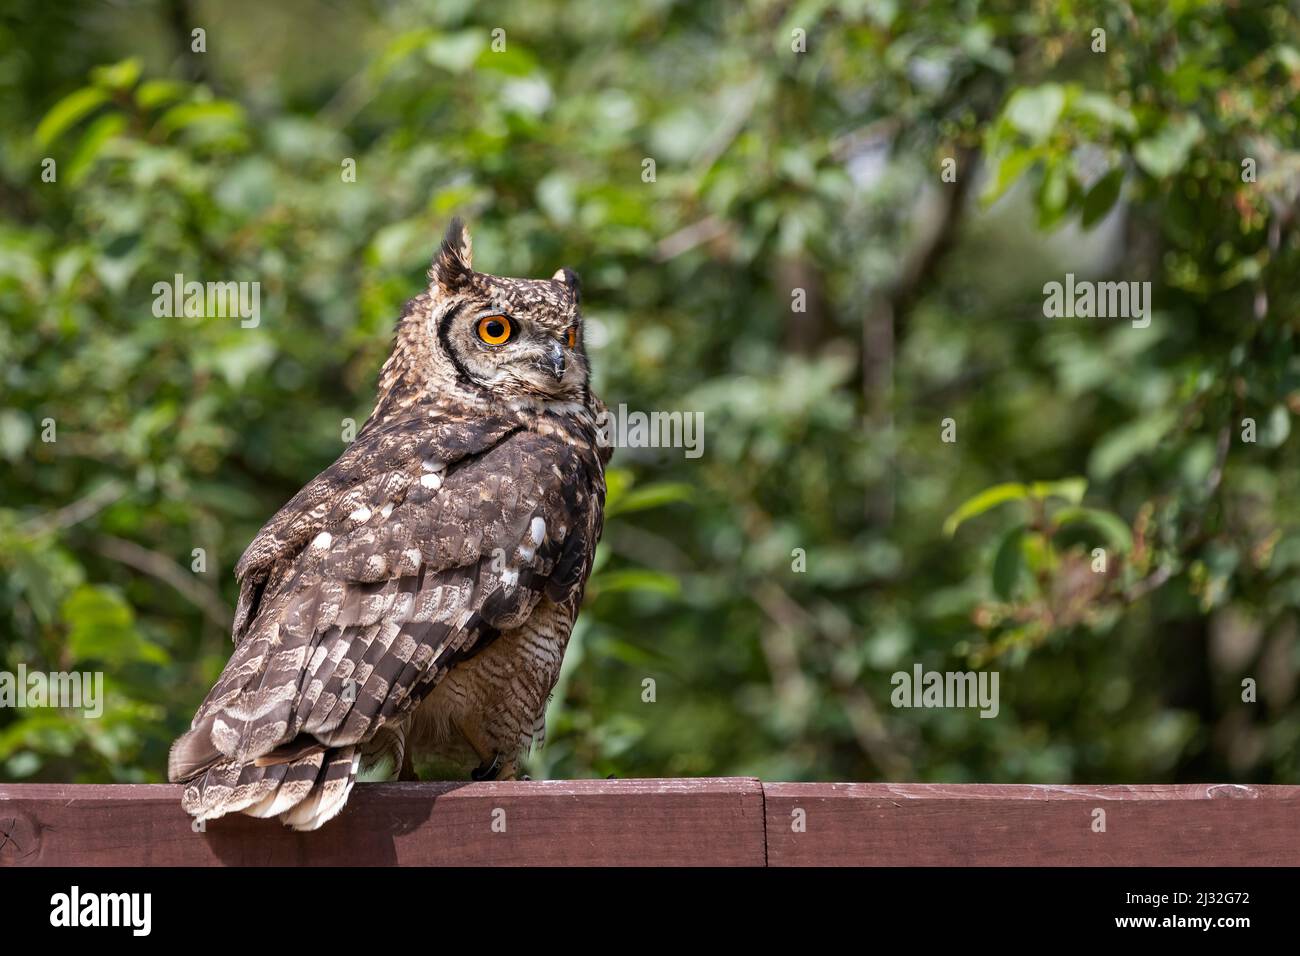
498 769
408 769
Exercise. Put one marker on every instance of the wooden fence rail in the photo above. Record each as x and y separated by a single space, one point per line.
713 821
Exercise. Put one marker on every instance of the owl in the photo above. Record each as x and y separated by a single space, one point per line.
417 596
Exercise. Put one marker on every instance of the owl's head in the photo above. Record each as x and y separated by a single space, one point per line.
510 337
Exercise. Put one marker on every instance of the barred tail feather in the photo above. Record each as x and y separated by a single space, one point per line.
329 794
304 793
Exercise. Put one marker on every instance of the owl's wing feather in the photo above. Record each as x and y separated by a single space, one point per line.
378 464
407 556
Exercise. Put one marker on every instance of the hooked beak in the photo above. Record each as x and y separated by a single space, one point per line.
555 362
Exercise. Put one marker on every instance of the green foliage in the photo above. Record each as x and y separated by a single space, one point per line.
775 171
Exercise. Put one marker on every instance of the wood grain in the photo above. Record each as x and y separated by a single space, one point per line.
882 824
581 822
711 821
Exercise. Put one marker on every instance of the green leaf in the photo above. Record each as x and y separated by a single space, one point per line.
1071 489
103 129
23 764
1101 197
555 196
16 431
982 502
1126 443
31 578
456 52
216 113
102 628
514 60
1105 110
401 244
1288 57
154 93
1010 168
637 579
67 112
1053 195
1167 152
650 496
1114 529
1034 111
118 76
618 481
397 50
1008 563
1276 428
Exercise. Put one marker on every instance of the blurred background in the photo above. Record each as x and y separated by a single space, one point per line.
854 209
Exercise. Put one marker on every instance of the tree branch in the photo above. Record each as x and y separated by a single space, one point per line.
160 566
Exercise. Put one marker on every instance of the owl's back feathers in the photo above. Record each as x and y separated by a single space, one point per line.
432 534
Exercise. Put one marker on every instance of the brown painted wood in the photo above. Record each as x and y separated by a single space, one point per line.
722 821
883 824
715 822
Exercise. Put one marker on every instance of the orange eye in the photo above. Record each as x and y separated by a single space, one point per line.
573 337
495 329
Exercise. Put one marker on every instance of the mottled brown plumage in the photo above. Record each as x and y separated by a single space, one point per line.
417 595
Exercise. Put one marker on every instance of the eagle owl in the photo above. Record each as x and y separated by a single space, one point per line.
418 594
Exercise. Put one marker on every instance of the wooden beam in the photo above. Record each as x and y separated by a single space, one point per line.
564 822
710 821
883 824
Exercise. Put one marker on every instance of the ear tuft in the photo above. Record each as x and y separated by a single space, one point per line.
454 261
570 280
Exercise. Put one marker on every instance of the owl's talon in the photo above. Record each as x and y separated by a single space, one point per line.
487 771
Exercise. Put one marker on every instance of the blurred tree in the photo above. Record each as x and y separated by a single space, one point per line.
855 210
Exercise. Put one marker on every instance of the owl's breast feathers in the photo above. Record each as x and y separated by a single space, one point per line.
428 537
